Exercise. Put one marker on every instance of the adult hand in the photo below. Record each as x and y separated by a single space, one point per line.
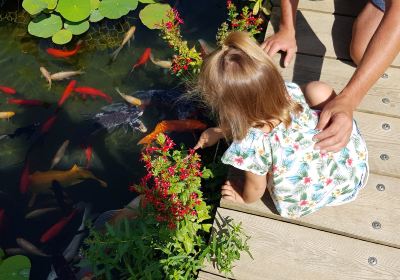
209 137
336 123
281 41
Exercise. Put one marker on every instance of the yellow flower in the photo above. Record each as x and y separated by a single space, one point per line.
362 155
308 157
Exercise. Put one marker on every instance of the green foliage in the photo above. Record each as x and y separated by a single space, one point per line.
15 268
49 16
167 239
261 5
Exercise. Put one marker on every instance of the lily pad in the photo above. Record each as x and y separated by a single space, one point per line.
62 37
94 4
51 4
95 16
114 9
74 10
147 1
2 255
34 6
154 14
45 27
77 28
15 268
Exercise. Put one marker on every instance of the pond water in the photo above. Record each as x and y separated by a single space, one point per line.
115 154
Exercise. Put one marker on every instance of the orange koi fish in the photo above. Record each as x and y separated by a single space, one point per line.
63 53
28 102
93 92
7 90
25 179
88 154
6 115
142 59
55 229
67 92
172 125
48 124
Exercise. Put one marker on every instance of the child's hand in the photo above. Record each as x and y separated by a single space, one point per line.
209 138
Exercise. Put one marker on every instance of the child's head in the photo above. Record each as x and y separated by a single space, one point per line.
243 87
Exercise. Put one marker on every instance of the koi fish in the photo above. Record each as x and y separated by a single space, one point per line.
65 75
88 154
25 180
28 102
93 92
172 125
55 229
161 63
63 53
46 74
6 115
48 124
130 99
67 92
142 59
41 182
130 34
29 247
39 212
59 154
7 90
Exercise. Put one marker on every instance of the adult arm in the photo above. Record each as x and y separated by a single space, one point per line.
284 39
337 116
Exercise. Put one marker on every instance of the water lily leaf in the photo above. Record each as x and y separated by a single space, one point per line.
77 28
34 6
154 14
95 16
147 1
62 37
2 255
114 9
74 10
45 27
51 4
15 268
94 4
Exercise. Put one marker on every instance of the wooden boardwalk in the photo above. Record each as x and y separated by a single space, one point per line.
355 241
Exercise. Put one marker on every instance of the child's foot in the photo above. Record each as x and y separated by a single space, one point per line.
230 192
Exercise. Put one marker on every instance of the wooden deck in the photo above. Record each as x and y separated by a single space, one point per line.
355 241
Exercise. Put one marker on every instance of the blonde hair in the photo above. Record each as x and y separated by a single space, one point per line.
243 87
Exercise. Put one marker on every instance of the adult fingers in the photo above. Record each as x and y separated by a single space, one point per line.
273 49
267 46
323 120
289 56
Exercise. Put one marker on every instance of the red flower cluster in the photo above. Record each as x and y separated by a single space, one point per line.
167 182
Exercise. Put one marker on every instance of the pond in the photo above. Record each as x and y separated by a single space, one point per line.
115 154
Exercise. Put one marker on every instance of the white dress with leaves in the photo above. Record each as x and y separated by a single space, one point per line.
302 180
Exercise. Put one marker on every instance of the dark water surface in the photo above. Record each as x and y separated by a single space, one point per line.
115 154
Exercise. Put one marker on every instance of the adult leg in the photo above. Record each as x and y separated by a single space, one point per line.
317 94
364 28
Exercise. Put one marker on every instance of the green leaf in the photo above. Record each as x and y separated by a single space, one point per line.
114 9
95 16
45 27
51 4
15 268
74 10
94 4
147 1
2 255
206 227
153 14
77 28
34 6
62 37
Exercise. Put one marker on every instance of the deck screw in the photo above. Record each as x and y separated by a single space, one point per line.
385 76
384 157
380 187
385 126
372 261
386 100
376 225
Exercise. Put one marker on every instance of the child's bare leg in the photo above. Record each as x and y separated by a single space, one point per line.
317 94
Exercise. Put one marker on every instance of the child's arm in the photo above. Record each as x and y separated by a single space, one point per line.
209 137
318 94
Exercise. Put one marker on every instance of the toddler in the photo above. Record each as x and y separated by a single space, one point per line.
272 124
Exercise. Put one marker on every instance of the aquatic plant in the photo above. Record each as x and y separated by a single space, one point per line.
168 237
15 267
187 60
61 19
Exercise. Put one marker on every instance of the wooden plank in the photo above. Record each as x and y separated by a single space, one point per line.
208 276
339 7
286 251
353 219
377 159
321 34
383 98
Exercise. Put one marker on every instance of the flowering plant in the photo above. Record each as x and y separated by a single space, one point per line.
167 239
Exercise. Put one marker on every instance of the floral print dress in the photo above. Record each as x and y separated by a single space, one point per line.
302 179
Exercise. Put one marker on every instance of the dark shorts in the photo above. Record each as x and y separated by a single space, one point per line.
379 4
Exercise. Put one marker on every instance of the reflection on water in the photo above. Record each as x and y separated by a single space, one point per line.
115 155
